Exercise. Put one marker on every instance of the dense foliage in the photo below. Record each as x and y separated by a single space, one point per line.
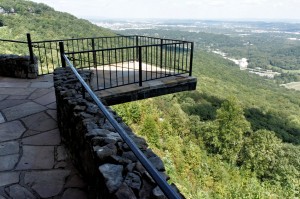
236 136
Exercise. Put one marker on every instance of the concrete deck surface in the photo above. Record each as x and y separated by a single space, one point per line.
120 82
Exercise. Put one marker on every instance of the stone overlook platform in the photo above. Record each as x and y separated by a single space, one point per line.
33 162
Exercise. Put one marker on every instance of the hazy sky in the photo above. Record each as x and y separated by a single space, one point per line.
192 9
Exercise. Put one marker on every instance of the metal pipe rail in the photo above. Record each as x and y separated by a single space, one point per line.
165 187
13 41
126 47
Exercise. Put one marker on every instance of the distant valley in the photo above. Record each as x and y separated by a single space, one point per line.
268 49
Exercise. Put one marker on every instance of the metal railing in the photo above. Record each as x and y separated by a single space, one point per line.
165 187
136 60
117 60
17 47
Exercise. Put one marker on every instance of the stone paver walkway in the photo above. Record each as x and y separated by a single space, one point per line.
33 162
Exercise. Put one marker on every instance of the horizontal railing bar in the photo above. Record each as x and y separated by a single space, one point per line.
178 40
126 36
166 188
126 47
14 41
83 38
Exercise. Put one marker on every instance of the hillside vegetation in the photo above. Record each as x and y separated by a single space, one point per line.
18 17
269 50
236 136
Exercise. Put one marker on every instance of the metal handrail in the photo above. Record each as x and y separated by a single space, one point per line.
126 47
119 36
82 38
165 187
13 41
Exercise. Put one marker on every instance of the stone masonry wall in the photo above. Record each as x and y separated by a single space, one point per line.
103 158
18 66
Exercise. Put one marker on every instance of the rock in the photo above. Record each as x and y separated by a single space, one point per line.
130 167
125 192
112 175
11 130
140 142
140 168
49 138
119 160
9 148
91 125
103 141
106 151
146 190
129 155
98 132
75 182
61 153
92 109
16 192
125 147
74 193
60 165
149 153
44 155
78 108
107 125
133 181
158 163
85 115
46 183
9 178
8 162
158 194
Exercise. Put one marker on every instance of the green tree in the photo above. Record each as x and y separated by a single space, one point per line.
260 152
225 135
150 130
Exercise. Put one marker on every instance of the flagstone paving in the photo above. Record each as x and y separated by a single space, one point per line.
33 162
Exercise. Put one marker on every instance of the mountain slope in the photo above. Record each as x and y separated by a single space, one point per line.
228 138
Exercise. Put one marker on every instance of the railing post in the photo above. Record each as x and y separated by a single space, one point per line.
140 66
137 47
29 42
62 52
161 52
191 58
94 53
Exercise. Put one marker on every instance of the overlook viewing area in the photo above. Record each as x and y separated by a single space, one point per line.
34 162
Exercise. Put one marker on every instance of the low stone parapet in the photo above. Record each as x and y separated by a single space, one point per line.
18 66
103 158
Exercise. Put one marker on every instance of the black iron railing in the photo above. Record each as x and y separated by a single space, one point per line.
17 47
116 60
165 187
136 60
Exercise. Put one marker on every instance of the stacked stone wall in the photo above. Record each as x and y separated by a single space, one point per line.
98 151
18 66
